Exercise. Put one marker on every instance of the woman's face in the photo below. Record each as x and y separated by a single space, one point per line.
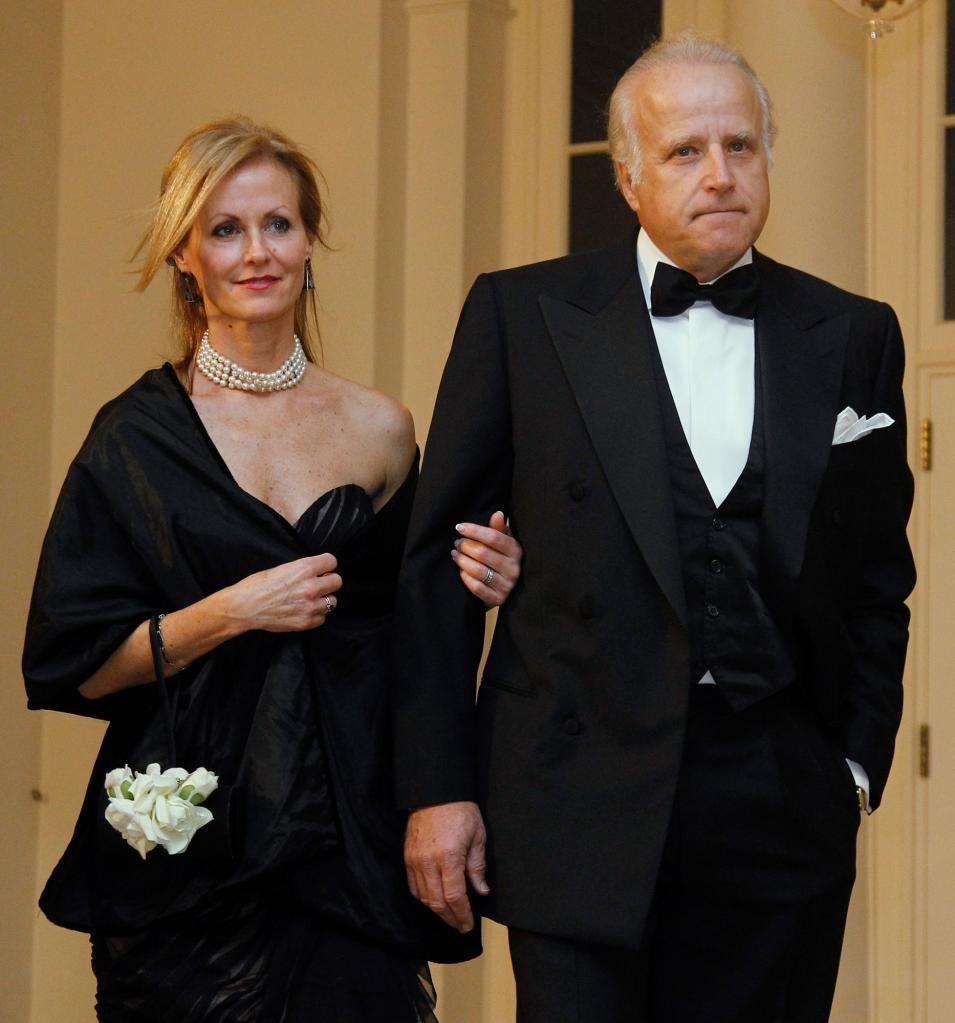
248 246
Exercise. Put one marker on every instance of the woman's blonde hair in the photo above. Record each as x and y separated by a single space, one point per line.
203 159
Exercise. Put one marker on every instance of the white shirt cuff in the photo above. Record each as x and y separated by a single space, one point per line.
862 781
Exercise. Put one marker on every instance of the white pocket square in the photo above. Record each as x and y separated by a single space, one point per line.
850 426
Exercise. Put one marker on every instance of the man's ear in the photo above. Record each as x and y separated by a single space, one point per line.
625 184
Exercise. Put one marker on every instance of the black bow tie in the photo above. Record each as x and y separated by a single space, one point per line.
674 290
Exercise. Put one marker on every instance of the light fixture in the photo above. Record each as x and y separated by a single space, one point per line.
879 13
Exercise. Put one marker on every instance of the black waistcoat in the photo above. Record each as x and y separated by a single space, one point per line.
732 633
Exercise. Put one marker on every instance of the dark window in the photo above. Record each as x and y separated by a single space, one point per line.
949 208
950 223
599 215
609 35
950 60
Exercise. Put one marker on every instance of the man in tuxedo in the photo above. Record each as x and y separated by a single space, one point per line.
696 685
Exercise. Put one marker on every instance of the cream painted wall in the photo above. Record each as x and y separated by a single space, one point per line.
29 101
812 58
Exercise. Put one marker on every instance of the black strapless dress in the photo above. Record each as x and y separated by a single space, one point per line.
259 951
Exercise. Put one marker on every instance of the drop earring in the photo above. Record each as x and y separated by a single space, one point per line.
190 292
308 284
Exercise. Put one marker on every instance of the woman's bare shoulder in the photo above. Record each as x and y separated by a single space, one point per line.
383 425
373 410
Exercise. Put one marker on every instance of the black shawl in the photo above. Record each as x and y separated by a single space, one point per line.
295 724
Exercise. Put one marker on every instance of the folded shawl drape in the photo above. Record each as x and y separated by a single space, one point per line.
295 724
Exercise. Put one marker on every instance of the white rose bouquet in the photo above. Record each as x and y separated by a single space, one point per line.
159 807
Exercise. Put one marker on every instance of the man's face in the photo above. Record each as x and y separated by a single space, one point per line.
703 196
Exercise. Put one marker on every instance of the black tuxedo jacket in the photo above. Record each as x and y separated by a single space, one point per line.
548 410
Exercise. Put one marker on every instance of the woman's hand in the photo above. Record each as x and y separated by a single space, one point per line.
288 598
488 559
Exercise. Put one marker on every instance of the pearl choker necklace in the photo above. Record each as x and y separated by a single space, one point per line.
226 373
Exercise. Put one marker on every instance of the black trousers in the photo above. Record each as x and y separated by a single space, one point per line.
752 893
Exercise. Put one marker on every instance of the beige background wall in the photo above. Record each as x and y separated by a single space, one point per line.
97 96
812 59
29 100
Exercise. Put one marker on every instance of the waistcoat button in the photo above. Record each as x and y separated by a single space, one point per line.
712 610
716 566
718 523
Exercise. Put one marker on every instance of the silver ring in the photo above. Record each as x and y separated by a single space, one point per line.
489 577
329 606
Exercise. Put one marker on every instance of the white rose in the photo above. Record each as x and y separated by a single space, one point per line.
168 781
116 779
135 828
199 786
146 788
175 821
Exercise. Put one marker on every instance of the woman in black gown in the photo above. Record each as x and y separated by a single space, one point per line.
264 520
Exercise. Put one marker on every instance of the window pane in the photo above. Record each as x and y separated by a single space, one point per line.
950 61
609 35
599 216
950 223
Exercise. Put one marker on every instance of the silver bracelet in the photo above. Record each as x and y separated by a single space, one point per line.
162 646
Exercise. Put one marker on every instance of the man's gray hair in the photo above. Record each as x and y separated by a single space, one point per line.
685 49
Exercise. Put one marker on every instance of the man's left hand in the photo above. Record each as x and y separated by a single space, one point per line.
444 844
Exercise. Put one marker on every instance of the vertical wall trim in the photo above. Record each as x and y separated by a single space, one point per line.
894 97
537 125
452 161
30 76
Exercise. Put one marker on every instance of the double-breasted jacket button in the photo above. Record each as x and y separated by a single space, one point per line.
571 726
585 606
578 490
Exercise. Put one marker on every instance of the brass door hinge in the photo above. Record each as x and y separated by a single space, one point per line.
923 751
925 443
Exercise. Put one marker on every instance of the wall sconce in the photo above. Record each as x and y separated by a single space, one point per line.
879 13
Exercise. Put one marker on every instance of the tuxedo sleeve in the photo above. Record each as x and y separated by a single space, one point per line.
439 624
877 620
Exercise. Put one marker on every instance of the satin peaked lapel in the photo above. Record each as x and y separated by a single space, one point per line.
802 357
606 359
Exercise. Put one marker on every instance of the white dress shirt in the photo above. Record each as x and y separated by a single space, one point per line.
709 360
